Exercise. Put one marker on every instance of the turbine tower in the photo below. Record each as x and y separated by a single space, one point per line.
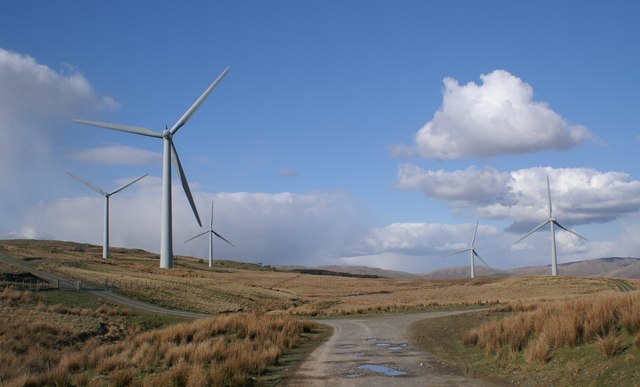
551 221
472 252
170 155
211 233
105 239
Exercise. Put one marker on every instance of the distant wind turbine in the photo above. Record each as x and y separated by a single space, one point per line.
170 155
211 233
105 241
551 221
472 252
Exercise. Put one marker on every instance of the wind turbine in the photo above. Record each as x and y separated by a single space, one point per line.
170 155
211 233
472 252
551 221
105 239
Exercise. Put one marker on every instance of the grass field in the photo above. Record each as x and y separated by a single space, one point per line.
590 342
50 338
247 287
258 296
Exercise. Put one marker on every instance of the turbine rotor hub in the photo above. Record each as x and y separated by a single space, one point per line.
166 134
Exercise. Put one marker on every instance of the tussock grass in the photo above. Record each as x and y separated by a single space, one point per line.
226 350
538 330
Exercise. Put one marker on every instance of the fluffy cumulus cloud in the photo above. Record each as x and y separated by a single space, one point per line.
117 155
498 116
579 195
35 101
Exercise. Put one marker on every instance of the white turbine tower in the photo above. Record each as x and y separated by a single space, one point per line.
105 241
211 233
170 155
551 221
472 252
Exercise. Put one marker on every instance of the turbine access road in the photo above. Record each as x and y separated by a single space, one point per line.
67 283
376 351
370 352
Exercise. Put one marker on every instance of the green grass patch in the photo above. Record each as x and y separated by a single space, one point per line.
81 299
582 365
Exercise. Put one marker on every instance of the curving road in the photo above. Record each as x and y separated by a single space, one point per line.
376 351
68 283
368 352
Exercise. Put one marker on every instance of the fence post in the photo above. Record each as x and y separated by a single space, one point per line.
78 286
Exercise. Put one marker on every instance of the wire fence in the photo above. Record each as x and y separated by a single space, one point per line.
29 285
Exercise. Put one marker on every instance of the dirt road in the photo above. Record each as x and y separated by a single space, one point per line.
376 351
69 283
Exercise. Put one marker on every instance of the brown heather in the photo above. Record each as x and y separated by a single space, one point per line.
601 319
225 350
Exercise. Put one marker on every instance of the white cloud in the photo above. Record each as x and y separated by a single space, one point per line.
499 116
466 187
422 238
117 155
579 195
282 227
35 103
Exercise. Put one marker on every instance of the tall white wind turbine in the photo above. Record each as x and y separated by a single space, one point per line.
472 252
551 221
105 239
211 233
170 155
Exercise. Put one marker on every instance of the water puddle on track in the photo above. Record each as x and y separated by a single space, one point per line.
382 369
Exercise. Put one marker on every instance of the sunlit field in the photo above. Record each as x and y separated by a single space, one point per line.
232 286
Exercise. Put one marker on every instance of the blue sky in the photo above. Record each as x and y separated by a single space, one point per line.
360 132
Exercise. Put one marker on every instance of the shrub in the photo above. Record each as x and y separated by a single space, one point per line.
610 345
538 350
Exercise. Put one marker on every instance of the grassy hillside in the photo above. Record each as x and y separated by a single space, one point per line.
193 287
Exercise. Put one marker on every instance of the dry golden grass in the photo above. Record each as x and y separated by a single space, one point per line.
602 319
39 349
136 273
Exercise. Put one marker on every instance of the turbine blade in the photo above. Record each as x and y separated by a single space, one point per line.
475 231
457 252
123 128
183 120
549 192
185 184
571 231
221 237
480 258
93 187
211 222
199 235
532 231
126 185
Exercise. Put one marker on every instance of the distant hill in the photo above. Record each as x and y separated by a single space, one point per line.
360 271
614 267
463 272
